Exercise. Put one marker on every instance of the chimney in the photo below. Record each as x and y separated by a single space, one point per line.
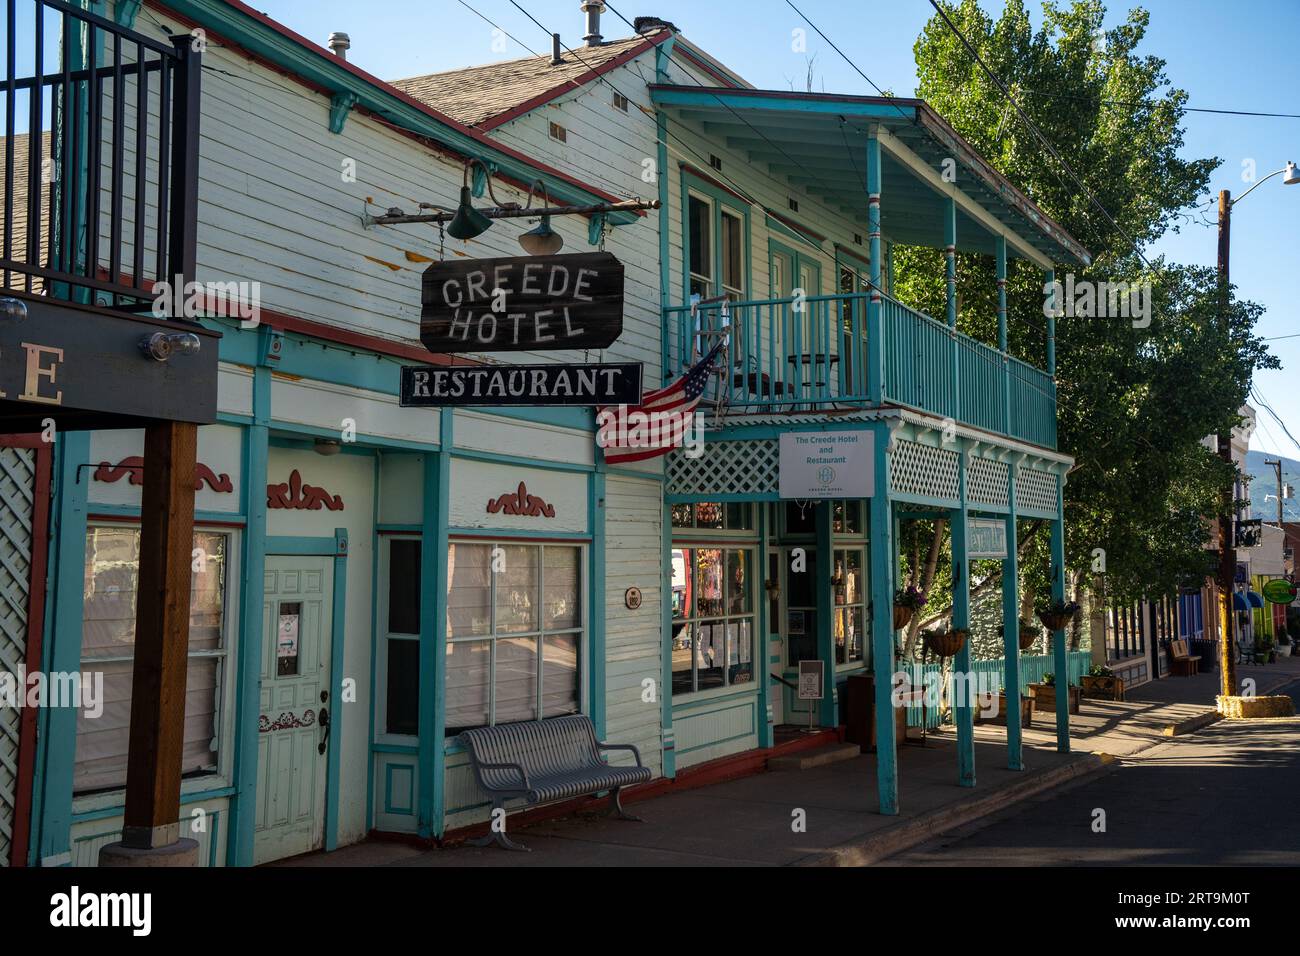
339 44
593 9
556 59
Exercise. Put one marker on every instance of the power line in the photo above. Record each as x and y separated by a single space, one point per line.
1255 393
1038 133
1187 109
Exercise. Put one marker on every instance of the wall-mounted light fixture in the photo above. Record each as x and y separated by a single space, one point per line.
468 222
160 346
12 310
541 240
327 446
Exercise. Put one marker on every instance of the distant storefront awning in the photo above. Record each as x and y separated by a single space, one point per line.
1247 601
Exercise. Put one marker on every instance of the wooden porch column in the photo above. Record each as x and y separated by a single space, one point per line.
965 715
883 567
1001 257
1049 276
1060 662
162 631
950 257
826 715
875 324
1011 628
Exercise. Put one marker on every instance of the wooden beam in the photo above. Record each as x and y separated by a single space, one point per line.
153 780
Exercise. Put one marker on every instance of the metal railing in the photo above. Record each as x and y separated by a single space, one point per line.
99 185
810 353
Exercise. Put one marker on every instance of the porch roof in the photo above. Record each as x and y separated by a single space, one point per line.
818 142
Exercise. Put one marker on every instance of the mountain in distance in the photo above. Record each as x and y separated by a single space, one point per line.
1263 486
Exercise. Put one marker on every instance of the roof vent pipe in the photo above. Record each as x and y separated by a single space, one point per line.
593 9
339 44
556 59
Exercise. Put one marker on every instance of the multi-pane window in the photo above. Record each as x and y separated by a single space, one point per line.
700 239
402 643
514 632
846 517
847 624
714 516
713 618
720 269
108 649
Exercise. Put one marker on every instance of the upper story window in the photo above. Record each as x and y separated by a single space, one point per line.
715 240
620 102
700 239
559 132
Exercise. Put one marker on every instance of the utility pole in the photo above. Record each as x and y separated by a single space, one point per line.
1277 467
1228 505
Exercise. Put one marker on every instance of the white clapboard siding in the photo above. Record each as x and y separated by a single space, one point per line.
633 639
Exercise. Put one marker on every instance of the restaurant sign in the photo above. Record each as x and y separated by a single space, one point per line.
525 303
1278 591
430 386
826 465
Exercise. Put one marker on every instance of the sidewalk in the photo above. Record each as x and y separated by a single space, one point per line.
748 822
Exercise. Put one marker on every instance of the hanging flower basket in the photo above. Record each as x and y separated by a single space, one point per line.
902 616
1056 615
1027 637
945 643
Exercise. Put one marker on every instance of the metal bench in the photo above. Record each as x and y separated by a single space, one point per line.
545 760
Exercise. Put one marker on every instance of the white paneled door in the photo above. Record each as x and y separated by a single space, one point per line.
296 710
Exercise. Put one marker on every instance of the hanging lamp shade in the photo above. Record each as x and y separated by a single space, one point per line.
542 240
468 221
1292 174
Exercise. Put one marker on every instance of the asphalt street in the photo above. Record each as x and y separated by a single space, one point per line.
1227 795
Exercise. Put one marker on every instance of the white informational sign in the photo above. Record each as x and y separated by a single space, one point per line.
811 678
827 464
986 538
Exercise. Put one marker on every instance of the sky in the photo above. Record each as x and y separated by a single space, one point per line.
1228 55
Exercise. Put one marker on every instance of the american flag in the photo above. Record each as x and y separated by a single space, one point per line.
675 404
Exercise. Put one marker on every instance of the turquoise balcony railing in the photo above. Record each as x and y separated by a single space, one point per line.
810 353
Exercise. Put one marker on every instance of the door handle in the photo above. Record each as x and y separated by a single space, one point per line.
325 726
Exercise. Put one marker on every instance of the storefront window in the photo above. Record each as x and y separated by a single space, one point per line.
108 648
402 710
849 606
846 517
715 516
713 618
514 633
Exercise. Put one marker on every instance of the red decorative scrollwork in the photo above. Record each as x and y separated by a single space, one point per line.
285 721
296 496
132 468
521 503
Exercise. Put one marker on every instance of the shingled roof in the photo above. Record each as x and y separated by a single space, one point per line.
18 203
486 96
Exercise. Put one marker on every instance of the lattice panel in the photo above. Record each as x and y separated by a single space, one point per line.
17 473
726 467
986 482
1035 493
925 472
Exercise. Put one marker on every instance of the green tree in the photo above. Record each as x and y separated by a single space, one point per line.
1134 403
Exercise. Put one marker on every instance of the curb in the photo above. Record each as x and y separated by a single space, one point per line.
1192 724
895 839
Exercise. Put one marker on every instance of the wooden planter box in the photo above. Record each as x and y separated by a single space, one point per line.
1026 712
1045 698
1103 688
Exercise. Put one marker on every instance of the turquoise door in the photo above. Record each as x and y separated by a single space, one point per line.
295 710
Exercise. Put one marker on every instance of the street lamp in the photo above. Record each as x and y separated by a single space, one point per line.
1228 509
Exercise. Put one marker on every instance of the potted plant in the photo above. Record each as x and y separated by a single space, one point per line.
1264 649
1044 694
1283 644
1100 683
907 601
1029 632
1056 614
944 643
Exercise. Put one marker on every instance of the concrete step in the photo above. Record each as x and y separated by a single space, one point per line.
820 757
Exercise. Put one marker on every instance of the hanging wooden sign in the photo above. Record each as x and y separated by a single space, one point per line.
525 303
599 384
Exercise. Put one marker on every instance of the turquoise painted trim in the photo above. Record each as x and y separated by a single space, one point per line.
58 725
407 749
776 225
133 512
633 473
762 639
364 444
230 418
598 600
325 71
433 646
126 11
950 259
827 716
881 529
397 528
499 459
1000 269
302 444
291 545
719 199
742 496
374 646
1049 276
665 218
693 708
198 796
875 322
711 99
1011 624
669 745
215 818
963 712
1060 658
338 623
341 105
243 812
503 533
388 789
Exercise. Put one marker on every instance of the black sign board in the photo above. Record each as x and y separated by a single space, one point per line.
439 385
528 303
